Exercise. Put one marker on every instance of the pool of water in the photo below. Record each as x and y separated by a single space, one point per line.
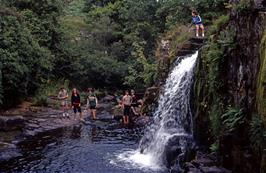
98 147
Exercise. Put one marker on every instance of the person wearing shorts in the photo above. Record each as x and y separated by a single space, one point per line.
92 103
62 96
75 102
127 101
196 20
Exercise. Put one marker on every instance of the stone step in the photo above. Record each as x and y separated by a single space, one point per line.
198 40
185 52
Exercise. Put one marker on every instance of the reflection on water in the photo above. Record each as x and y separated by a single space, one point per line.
91 148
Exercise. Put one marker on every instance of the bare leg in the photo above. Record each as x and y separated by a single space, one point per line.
94 114
127 120
124 119
197 30
202 30
81 115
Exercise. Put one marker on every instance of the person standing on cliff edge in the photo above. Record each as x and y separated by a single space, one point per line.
196 20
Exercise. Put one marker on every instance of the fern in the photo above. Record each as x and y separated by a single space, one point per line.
257 133
232 119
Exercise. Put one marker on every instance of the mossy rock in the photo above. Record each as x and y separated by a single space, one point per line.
261 84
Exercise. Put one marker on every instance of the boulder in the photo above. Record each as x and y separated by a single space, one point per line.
213 169
9 123
109 98
141 120
8 152
170 155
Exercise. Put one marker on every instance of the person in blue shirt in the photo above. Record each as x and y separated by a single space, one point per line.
196 20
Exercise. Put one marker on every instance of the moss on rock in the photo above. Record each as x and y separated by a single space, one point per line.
261 81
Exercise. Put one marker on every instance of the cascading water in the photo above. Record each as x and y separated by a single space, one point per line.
172 125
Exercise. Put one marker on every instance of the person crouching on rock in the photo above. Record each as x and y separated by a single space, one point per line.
62 96
196 20
92 103
75 102
126 101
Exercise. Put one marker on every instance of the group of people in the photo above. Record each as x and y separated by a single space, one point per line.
91 98
130 104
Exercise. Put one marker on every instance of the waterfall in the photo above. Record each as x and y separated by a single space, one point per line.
172 125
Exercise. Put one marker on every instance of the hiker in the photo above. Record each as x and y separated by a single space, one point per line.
134 98
92 103
63 95
75 102
137 109
126 101
196 20
134 104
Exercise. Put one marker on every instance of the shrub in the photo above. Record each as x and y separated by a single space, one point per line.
50 89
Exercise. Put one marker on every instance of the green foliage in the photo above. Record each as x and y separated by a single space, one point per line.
143 72
232 119
243 6
261 88
92 43
215 118
25 64
218 24
214 147
257 133
49 89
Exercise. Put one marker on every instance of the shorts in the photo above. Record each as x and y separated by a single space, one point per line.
198 24
92 107
127 110
135 104
77 109
64 103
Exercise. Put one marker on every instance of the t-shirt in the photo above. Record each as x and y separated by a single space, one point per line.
127 100
62 94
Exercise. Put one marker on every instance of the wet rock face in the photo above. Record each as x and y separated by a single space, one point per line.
204 163
260 4
241 73
11 123
243 62
239 70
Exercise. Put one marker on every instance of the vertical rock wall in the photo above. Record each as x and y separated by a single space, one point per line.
242 83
